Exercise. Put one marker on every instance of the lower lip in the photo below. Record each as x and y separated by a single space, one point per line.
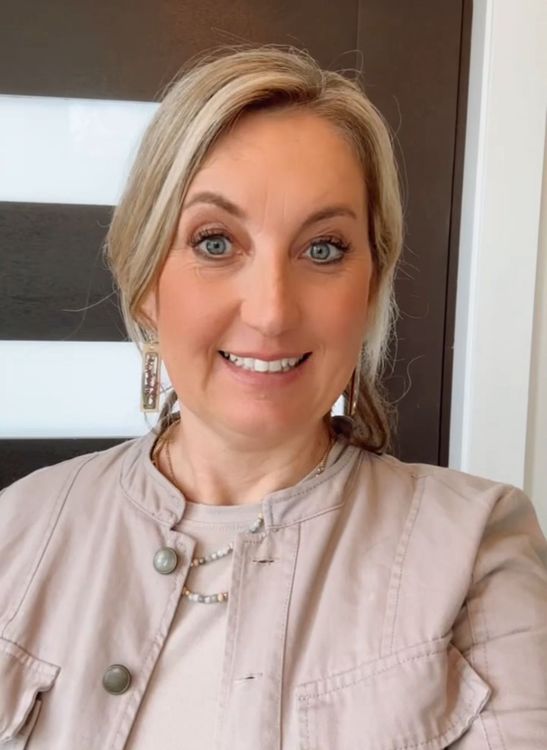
271 379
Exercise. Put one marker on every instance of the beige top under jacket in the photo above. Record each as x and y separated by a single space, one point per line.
385 606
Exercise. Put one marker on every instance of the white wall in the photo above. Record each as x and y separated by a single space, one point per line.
499 239
535 479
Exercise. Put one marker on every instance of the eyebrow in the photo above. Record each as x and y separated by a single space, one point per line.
216 199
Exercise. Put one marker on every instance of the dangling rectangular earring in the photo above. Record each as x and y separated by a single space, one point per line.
151 378
353 395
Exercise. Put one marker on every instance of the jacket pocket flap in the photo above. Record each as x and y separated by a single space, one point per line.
424 698
22 677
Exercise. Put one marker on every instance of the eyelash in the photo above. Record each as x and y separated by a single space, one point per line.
204 234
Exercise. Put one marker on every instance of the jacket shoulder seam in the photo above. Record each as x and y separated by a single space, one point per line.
501 487
438 474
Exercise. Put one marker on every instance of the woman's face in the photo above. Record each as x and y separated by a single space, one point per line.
271 262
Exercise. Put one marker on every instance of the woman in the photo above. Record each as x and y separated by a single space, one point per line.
255 573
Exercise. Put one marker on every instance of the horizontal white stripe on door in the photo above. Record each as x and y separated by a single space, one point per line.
56 150
71 389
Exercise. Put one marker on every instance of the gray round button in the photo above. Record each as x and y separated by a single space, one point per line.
116 679
165 560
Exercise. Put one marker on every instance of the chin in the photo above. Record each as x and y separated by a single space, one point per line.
264 424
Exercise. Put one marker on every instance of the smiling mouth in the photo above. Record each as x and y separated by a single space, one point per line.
261 365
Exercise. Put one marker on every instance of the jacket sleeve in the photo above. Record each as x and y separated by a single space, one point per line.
502 629
29 511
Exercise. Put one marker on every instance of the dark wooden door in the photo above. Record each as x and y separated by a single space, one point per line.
414 58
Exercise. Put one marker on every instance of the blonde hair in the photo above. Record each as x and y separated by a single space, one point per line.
202 104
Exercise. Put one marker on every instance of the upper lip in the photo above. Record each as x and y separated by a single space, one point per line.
265 357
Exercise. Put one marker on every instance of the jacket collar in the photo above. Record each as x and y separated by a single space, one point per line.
148 489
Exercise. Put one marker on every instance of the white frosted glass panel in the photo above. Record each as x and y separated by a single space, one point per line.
71 389
55 150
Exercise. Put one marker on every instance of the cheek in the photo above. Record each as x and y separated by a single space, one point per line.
188 316
345 313
176 293
174 304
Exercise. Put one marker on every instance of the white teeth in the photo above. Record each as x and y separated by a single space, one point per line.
260 365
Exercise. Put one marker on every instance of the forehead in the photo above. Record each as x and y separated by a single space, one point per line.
295 154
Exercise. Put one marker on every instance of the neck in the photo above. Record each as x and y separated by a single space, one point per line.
213 470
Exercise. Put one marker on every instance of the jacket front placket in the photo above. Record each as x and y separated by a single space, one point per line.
171 584
252 676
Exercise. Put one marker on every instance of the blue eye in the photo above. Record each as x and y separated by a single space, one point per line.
327 250
212 245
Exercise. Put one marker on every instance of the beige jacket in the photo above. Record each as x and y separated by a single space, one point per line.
386 606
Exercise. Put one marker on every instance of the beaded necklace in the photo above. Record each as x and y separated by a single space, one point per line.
222 596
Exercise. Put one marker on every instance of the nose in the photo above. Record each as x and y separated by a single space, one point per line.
271 299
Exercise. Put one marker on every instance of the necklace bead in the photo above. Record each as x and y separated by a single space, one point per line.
193 596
